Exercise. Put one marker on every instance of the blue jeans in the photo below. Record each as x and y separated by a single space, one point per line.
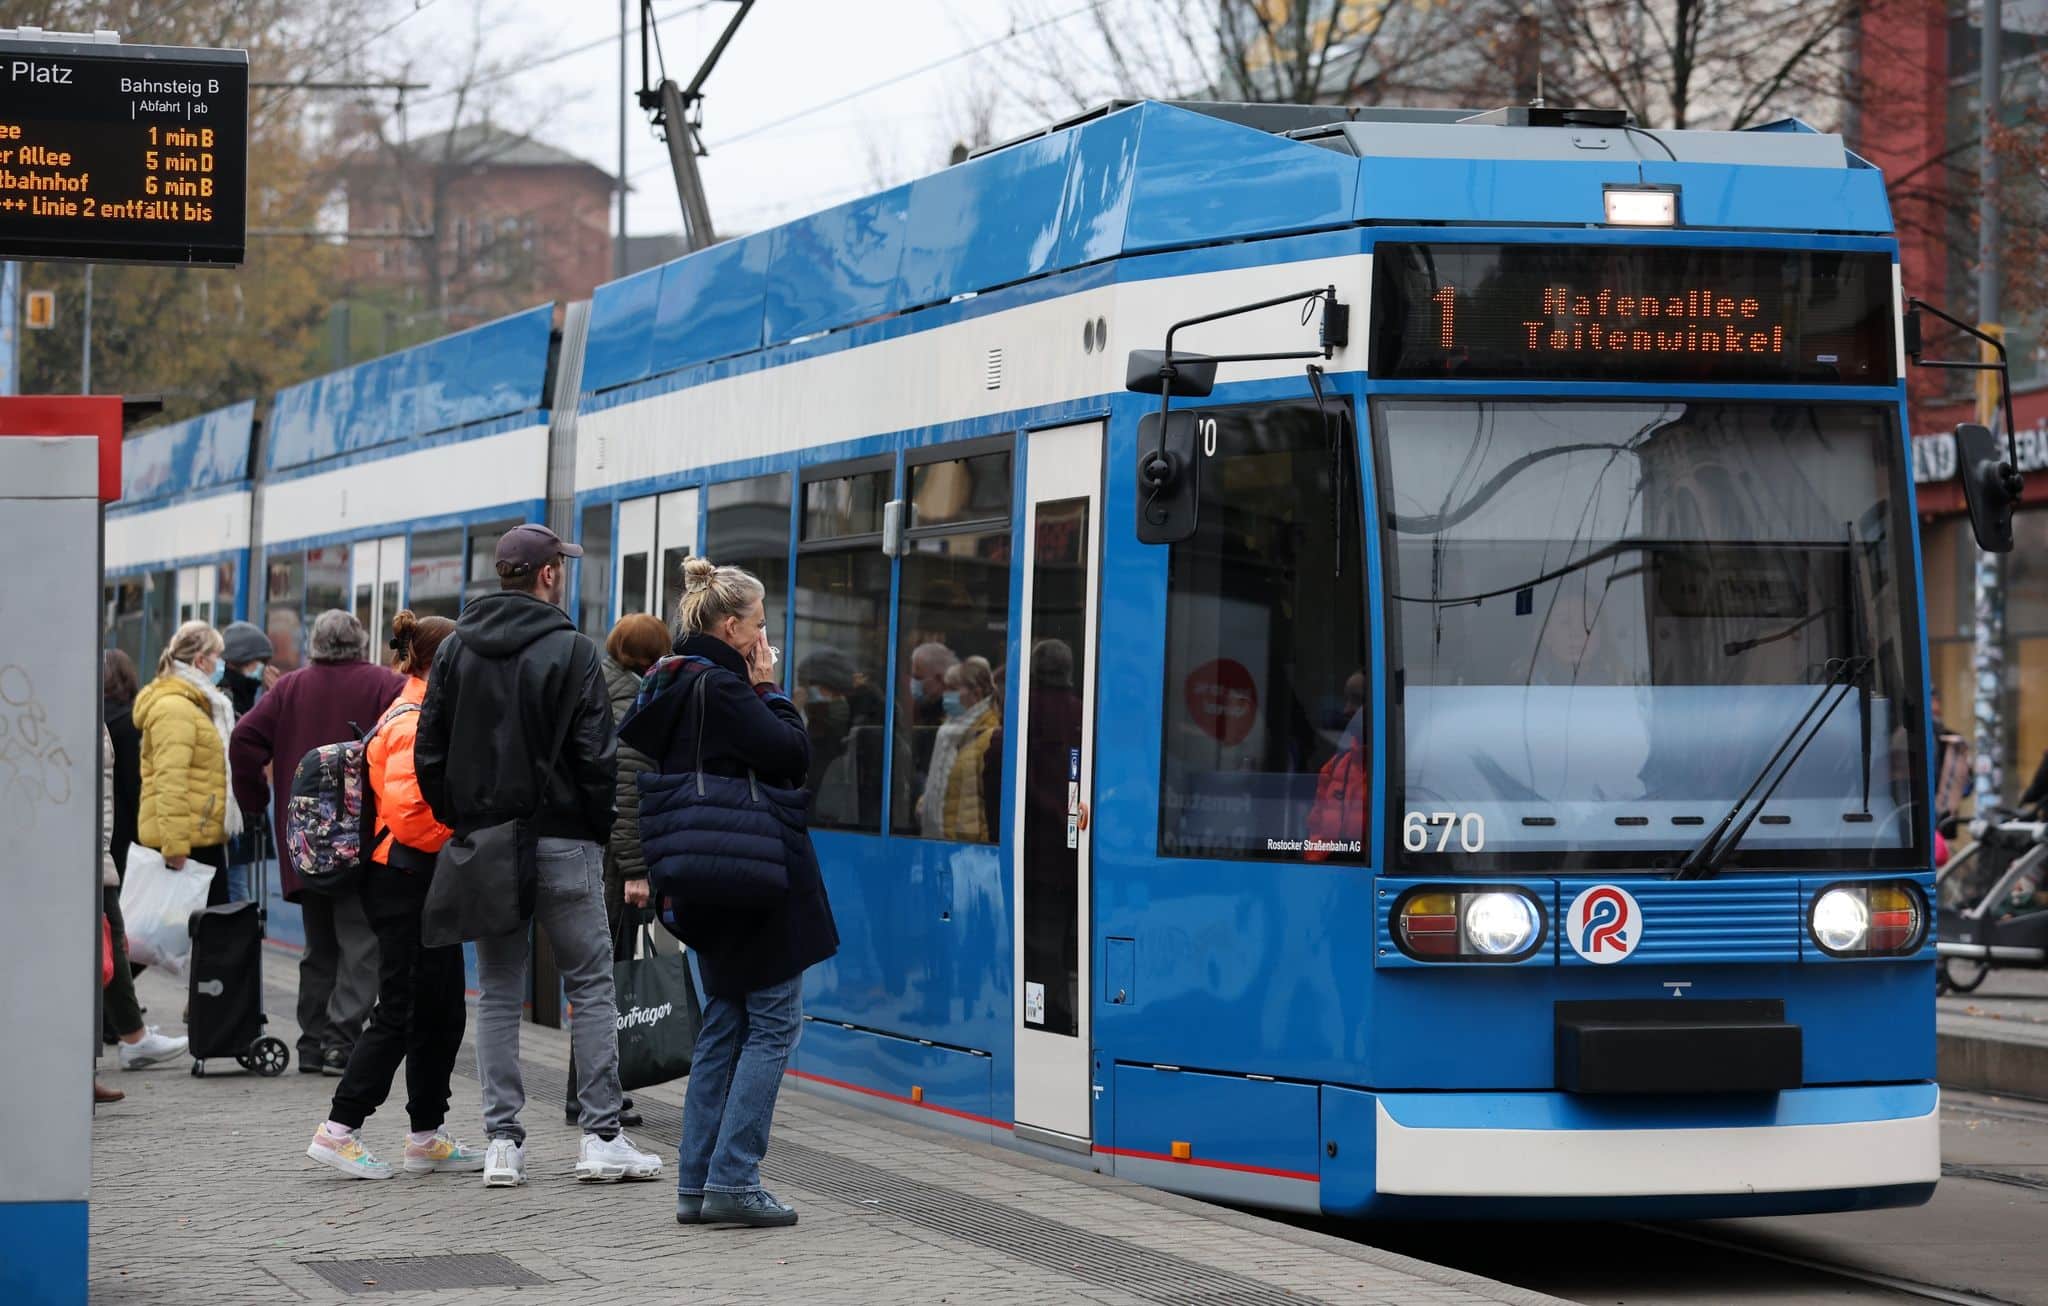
735 1074
241 885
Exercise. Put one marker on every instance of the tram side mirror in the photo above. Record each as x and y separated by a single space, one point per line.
1991 486
1194 376
1169 477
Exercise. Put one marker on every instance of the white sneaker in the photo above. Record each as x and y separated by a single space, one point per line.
504 1164
616 1158
347 1155
151 1049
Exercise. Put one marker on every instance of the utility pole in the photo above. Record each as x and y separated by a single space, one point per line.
1988 787
625 93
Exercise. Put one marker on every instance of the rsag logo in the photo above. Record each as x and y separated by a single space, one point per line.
1604 925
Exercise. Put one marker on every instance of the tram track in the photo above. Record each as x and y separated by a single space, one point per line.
1911 1287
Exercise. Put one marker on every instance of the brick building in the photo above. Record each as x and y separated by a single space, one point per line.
481 222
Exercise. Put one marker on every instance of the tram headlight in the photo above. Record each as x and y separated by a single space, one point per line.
1455 923
1869 920
1499 924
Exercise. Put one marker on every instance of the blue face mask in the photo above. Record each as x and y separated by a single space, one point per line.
220 669
953 705
917 691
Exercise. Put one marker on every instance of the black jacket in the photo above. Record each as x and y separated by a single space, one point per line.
744 729
494 708
127 739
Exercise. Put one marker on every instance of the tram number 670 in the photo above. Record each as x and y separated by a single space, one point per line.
1470 827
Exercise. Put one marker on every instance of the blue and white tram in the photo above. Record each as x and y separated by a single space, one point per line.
177 542
387 484
1374 845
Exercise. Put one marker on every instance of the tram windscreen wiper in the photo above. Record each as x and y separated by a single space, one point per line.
1704 861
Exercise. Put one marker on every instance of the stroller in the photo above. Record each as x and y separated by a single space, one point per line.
227 980
1991 903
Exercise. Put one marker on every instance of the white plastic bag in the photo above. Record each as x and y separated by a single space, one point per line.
157 905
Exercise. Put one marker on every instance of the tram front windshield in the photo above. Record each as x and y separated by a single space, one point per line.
1606 616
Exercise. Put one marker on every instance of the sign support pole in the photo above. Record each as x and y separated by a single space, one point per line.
10 328
85 344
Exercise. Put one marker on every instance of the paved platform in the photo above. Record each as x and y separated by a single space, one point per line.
1995 1040
201 1194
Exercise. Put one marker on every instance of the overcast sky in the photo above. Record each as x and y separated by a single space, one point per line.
789 58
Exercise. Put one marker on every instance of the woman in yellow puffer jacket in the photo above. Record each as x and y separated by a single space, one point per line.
185 719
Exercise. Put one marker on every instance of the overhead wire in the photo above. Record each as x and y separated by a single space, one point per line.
558 56
887 82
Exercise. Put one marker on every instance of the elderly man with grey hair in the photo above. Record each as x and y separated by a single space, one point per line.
337 696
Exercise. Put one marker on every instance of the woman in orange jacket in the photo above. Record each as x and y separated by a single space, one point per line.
420 1013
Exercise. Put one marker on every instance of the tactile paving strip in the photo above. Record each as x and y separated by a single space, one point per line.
426 1273
1092 1258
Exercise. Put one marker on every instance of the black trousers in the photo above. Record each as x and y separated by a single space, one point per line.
122 1014
419 1016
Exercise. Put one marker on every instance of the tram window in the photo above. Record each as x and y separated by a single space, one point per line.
746 525
952 643
327 578
633 584
160 600
124 617
284 597
1605 616
594 572
483 555
842 506
1266 751
960 490
433 574
841 653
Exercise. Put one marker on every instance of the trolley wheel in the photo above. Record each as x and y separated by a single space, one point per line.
268 1057
198 1069
1963 975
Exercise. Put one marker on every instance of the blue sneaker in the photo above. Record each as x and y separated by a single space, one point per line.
758 1209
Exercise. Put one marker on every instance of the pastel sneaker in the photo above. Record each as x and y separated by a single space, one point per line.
614 1158
347 1155
152 1049
441 1153
504 1164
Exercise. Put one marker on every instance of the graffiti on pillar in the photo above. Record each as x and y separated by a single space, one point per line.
35 768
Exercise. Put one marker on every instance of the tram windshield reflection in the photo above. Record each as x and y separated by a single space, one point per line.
1605 615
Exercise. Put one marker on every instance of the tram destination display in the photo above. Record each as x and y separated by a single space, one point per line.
113 153
1632 313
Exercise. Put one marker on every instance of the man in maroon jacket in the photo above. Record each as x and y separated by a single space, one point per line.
337 697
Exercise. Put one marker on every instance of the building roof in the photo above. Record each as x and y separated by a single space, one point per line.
489 145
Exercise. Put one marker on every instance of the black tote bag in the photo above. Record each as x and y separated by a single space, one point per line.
659 1015
485 882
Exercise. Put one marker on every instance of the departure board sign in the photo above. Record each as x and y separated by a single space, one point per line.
1632 313
123 153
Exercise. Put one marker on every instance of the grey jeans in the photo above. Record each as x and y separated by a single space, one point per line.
569 906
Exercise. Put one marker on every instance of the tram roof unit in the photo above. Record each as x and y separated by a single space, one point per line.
493 373
1148 176
207 452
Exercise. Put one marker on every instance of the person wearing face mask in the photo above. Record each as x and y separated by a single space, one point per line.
185 719
952 806
247 655
825 684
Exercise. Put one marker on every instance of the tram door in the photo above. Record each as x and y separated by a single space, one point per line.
379 581
656 535
1060 548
